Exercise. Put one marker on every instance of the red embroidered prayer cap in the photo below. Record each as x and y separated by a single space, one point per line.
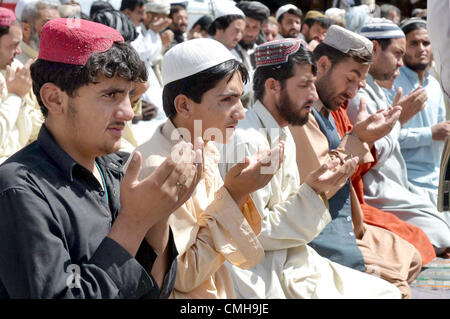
72 41
6 17
277 51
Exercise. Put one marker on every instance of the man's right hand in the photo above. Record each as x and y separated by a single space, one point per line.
370 128
145 203
440 131
158 24
19 82
332 175
411 104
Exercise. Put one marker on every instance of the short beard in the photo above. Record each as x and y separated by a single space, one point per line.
382 76
417 66
323 86
247 45
285 110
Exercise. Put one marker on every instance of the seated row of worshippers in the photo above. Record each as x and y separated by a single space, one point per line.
303 195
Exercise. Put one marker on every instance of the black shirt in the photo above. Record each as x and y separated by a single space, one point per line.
54 222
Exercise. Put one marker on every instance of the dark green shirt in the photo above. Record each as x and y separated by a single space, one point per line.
54 222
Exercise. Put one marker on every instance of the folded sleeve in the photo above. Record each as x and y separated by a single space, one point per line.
220 232
415 137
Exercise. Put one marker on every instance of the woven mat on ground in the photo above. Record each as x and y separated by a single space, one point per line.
433 282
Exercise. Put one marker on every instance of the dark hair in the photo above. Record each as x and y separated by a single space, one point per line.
223 22
99 5
5 29
384 43
281 72
121 59
117 20
414 26
175 9
204 22
196 85
131 4
296 12
322 21
336 56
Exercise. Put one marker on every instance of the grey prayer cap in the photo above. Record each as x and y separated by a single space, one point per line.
345 40
254 9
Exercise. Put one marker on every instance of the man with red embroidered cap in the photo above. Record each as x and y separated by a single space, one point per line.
73 225
20 118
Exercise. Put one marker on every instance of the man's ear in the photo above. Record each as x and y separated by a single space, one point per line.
376 48
305 29
218 33
53 98
183 106
26 31
323 65
272 86
127 11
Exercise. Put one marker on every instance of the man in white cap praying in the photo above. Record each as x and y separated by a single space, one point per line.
289 18
293 211
386 185
203 83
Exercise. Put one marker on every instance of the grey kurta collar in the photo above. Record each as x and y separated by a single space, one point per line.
274 132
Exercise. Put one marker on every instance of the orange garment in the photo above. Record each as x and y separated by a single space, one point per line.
375 216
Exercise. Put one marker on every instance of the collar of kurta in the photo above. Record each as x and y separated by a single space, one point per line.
377 90
318 105
274 132
412 75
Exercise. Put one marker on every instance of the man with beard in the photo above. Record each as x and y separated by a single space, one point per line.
347 239
422 137
292 213
315 26
179 23
256 14
34 15
386 184
289 18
